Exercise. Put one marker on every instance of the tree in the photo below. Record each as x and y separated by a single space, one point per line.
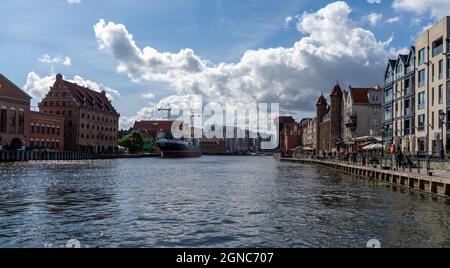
133 141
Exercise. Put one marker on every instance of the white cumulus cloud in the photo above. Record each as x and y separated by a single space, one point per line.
148 96
332 49
73 2
374 1
37 86
393 20
436 8
55 60
374 18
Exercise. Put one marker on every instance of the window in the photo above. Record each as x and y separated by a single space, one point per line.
21 122
12 121
441 69
399 70
440 94
438 47
388 113
421 101
440 123
422 78
387 96
3 115
422 56
448 68
421 122
57 131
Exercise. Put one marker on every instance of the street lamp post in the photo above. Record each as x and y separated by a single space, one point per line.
442 117
384 131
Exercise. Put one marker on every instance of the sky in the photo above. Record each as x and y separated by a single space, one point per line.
150 54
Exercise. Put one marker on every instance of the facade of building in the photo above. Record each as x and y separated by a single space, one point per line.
282 122
46 131
403 112
432 89
329 122
14 116
388 103
150 129
362 113
309 134
91 122
213 146
292 137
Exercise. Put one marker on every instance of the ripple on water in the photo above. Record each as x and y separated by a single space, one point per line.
209 202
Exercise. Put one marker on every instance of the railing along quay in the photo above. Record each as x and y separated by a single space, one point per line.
422 182
19 156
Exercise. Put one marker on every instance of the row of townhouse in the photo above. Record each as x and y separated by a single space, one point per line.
416 95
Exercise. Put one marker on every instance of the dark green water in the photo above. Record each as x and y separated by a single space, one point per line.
209 202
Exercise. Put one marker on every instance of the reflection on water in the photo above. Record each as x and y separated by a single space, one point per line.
210 202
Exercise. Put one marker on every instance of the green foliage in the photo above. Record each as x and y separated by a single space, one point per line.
134 141
148 144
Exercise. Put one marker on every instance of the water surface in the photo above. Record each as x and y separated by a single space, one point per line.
209 202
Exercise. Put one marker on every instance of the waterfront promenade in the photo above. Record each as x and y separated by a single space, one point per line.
418 179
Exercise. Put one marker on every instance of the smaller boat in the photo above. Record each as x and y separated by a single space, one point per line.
177 148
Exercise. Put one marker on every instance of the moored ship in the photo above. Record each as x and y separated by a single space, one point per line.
178 148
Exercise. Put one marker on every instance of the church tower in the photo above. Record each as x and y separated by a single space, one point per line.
321 108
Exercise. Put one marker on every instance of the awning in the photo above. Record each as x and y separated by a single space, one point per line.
373 147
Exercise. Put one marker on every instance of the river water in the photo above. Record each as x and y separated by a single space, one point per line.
210 202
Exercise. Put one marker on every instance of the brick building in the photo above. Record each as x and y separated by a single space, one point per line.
329 122
213 146
292 136
91 122
282 122
14 116
150 129
46 131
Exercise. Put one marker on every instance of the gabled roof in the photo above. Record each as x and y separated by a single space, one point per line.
86 97
337 91
322 100
14 86
403 58
412 53
391 64
360 95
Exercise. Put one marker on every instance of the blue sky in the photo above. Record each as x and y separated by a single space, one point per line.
217 31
